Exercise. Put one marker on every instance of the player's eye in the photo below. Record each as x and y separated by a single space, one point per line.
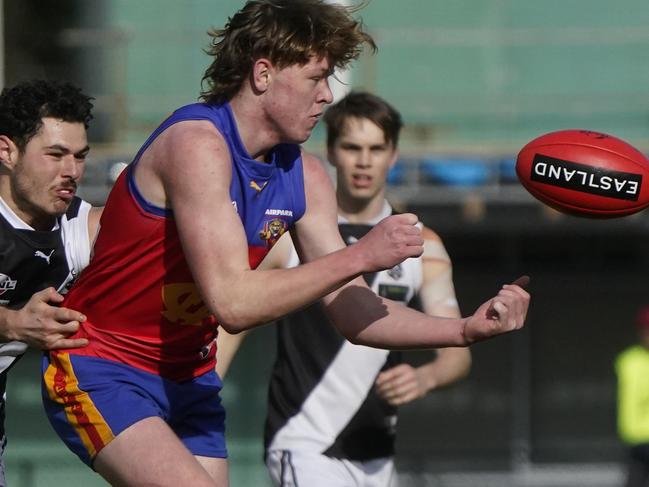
349 147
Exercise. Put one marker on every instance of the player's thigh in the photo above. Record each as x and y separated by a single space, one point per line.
217 468
150 453
198 416
294 468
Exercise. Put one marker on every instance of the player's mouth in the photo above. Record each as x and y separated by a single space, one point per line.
361 180
66 192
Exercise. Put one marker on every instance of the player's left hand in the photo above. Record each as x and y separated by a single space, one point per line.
504 313
391 241
400 385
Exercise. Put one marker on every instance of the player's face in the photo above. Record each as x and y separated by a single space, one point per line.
45 175
362 159
299 94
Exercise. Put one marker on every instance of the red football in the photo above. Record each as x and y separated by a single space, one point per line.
585 173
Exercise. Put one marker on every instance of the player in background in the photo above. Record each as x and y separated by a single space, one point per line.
182 232
46 230
332 407
632 370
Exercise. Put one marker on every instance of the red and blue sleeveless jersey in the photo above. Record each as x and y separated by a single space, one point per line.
142 305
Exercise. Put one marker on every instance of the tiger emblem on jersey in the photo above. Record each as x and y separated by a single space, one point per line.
273 229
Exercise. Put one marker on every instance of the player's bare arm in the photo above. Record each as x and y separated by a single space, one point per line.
364 318
214 240
438 299
405 383
227 344
393 240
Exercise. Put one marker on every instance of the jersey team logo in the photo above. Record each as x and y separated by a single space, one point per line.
6 284
273 229
183 304
396 272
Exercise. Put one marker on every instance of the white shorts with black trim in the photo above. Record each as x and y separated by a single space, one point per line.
295 468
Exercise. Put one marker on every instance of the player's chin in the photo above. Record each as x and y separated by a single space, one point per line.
59 206
307 129
304 136
297 138
363 194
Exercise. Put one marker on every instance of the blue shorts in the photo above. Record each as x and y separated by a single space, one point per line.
89 401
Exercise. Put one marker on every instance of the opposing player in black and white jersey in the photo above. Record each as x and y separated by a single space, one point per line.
45 229
332 404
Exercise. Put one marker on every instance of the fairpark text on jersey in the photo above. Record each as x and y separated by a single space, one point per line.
586 178
272 212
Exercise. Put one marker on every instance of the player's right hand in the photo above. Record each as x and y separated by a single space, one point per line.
390 242
44 325
400 385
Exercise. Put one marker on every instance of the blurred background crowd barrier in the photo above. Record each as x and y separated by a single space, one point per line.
474 80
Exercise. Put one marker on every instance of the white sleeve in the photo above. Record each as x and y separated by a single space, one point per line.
76 239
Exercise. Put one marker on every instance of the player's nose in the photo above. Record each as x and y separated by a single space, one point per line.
364 159
72 168
327 95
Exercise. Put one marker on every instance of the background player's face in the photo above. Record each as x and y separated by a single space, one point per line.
299 94
362 159
45 175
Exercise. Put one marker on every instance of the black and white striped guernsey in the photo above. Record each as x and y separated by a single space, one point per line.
32 260
321 392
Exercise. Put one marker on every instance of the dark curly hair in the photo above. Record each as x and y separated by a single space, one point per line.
23 107
286 32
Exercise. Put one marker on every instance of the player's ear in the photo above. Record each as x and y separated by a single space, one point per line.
395 157
8 152
261 75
